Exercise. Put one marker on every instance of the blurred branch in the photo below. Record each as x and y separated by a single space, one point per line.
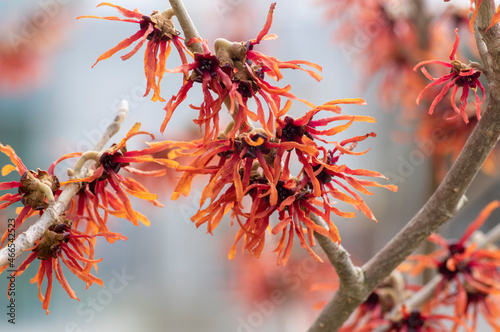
421 20
187 25
27 239
443 204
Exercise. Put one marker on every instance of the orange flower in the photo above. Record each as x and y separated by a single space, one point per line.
237 71
248 78
60 242
205 70
160 32
322 173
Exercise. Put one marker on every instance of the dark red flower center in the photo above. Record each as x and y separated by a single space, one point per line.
470 81
455 249
109 165
372 300
206 64
283 192
245 89
415 321
252 150
292 132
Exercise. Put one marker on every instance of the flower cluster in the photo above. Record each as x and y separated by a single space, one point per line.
255 162
256 165
243 161
70 239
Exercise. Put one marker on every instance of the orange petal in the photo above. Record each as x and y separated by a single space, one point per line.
123 44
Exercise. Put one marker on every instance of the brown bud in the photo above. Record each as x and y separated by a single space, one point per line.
164 23
49 245
35 186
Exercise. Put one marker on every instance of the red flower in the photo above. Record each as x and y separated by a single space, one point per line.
322 173
110 162
160 32
249 69
375 310
460 76
205 70
414 320
421 321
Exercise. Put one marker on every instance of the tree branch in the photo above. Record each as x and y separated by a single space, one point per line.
443 204
350 275
187 25
26 240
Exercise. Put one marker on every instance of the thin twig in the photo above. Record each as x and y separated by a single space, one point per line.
26 240
187 25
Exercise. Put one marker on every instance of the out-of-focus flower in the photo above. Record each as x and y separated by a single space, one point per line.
419 320
461 76
380 38
471 271
380 303
444 139
159 30
27 47
298 285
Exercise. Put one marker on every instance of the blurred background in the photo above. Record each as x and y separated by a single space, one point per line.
171 276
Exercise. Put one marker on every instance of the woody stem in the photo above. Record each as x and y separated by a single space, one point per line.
186 25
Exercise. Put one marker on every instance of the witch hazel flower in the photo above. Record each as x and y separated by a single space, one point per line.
108 165
158 29
462 76
60 245
205 70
